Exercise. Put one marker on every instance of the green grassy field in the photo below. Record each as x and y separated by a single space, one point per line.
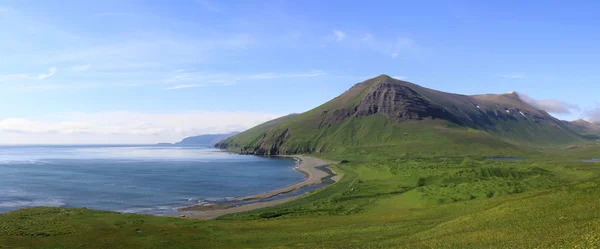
384 200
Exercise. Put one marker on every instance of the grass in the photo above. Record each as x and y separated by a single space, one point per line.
383 201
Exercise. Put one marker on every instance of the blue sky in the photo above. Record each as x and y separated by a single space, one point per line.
151 71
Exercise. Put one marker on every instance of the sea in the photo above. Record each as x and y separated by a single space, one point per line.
148 179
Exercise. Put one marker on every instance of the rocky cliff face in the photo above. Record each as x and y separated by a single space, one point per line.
399 102
396 102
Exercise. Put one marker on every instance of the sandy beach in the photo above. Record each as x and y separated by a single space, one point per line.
307 165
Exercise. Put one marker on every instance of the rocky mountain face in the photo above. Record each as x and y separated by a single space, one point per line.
396 103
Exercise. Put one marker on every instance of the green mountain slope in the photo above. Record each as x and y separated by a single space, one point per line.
387 112
256 134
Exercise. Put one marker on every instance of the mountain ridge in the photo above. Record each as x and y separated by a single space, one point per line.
382 110
586 128
204 139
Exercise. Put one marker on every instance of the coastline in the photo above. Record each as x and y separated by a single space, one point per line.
309 166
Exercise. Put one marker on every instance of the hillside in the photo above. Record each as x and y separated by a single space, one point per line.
388 112
585 128
207 139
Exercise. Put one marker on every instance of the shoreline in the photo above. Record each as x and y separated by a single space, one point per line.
309 166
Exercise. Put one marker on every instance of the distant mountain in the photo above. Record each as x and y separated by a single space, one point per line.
207 139
387 111
585 128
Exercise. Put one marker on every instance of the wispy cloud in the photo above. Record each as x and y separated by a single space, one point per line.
208 79
549 105
395 47
388 45
50 73
339 35
184 86
512 76
201 76
399 77
116 14
80 68
593 115
310 74
3 9
12 77
150 52
211 6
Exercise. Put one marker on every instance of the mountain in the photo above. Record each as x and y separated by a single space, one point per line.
207 139
387 111
585 128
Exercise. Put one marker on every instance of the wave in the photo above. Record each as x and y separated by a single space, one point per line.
149 210
24 162
20 204
218 199
135 210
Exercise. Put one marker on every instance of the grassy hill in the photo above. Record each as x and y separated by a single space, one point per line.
387 112
381 202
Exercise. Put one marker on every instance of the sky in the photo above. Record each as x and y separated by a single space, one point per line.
120 71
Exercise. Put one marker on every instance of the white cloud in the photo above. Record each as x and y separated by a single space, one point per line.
184 86
27 126
205 78
339 35
80 68
3 10
392 46
50 73
310 74
211 6
549 105
512 76
125 127
42 76
400 46
593 115
116 14
153 52
367 37
13 77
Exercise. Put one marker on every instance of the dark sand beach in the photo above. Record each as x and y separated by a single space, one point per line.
307 165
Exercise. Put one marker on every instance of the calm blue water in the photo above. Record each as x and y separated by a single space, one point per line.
137 179
593 160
